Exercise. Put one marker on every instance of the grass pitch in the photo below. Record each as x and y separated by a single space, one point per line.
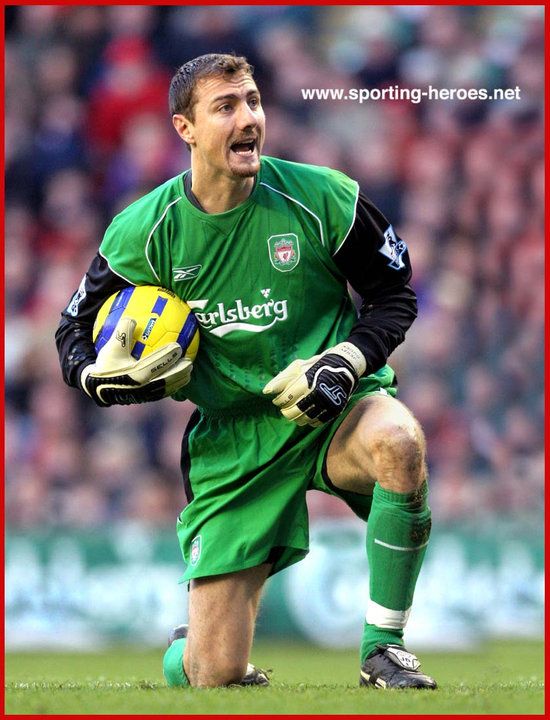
500 678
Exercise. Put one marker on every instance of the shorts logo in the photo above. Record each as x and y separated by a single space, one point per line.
196 547
393 249
284 251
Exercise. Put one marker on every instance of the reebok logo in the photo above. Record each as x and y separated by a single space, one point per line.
186 273
224 320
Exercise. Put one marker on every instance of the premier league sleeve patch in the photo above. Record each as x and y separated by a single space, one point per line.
78 297
393 249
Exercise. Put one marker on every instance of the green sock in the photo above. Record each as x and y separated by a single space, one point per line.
172 665
397 535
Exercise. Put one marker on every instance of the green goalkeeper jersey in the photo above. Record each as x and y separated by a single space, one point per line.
260 278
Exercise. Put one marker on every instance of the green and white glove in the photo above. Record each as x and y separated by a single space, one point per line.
116 378
314 391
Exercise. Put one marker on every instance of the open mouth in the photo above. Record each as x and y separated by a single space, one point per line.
244 148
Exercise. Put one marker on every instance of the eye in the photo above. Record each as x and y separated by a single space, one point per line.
254 102
224 108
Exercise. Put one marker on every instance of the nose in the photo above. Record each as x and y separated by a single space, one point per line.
246 117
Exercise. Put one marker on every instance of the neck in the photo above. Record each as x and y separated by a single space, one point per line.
219 194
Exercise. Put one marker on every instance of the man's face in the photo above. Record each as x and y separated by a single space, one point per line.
227 132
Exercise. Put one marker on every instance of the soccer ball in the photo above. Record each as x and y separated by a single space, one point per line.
161 318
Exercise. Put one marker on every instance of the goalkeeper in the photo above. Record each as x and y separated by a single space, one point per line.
291 385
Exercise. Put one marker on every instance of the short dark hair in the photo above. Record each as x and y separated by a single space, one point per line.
181 96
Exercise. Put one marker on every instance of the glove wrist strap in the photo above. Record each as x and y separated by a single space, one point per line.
353 355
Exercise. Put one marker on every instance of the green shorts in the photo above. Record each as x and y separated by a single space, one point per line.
246 477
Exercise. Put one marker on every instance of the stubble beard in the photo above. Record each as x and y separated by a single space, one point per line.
246 172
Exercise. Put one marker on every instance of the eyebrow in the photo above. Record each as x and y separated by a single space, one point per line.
233 96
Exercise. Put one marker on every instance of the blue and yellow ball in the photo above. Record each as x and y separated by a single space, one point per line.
161 318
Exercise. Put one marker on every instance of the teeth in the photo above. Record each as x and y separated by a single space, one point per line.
245 151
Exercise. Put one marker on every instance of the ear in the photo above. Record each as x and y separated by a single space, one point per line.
184 128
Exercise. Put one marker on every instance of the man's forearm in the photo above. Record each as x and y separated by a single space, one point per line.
382 325
75 348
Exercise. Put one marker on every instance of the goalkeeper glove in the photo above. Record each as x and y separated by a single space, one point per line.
311 392
116 378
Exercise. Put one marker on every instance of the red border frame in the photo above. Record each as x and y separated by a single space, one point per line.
547 321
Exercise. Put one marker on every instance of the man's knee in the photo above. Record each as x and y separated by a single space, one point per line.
214 669
393 448
396 444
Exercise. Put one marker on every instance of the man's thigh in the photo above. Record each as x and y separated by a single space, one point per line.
355 493
248 481
222 616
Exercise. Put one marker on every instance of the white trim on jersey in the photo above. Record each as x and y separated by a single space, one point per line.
111 268
155 226
302 206
352 222
385 618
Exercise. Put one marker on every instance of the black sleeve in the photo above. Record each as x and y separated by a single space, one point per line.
74 334
375 262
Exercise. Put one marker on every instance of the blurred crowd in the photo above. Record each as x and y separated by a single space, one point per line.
88 131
